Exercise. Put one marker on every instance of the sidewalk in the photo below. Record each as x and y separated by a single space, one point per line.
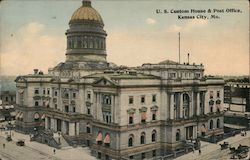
209 150
68 154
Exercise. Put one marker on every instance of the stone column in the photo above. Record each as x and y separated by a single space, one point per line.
52 120
171 116
72 129
63 127
77 128
46 123
113 108
198 103
181 105
55 125
191 105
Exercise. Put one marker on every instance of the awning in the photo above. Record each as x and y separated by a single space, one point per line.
36 116
107 139
1 107
234 126
43 116
7 107
143 116
11 106
99 137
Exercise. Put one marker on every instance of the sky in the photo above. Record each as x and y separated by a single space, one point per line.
32 33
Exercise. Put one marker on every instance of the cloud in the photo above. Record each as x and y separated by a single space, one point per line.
189 26
150 21
31 47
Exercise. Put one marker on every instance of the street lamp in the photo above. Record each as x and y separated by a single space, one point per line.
10 126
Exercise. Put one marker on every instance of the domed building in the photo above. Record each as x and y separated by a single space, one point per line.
119 112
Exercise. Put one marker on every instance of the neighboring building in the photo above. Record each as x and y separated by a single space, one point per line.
237 102
119 112
7 98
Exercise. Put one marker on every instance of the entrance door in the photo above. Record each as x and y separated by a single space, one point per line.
189 132
59 125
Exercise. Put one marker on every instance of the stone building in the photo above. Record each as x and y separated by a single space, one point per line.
120 112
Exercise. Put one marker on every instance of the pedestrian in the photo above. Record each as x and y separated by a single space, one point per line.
4 145
199 151
54 151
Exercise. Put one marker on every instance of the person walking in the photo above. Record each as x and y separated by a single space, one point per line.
199 151
54 151
3 145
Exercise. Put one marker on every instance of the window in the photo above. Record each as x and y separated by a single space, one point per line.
143 117
131 157
88 95
211 124
74 95
88 129
88 111
153 136
36 103
99 155
154 98
55 106
131 119
143 138
153 116
74 109
48 91
211 109
177 135
55 93
44 91
153 153
218 94
131 100
211 95
172 75
36 91
143 156
218 123
142 99
66 108
6 99
106 99
130 140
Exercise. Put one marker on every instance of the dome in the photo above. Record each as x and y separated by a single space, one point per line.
86 13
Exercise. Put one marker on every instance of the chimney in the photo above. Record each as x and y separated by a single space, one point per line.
35 71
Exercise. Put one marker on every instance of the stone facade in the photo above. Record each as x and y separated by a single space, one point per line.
120 112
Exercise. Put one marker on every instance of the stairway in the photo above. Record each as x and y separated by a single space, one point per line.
61 141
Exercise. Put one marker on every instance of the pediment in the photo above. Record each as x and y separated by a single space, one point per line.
104 81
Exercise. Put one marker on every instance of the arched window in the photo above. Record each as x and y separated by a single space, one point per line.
211 124
107 140
218 123
36 116
130 140
153 136
178 135
143 138
131 119
99 138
